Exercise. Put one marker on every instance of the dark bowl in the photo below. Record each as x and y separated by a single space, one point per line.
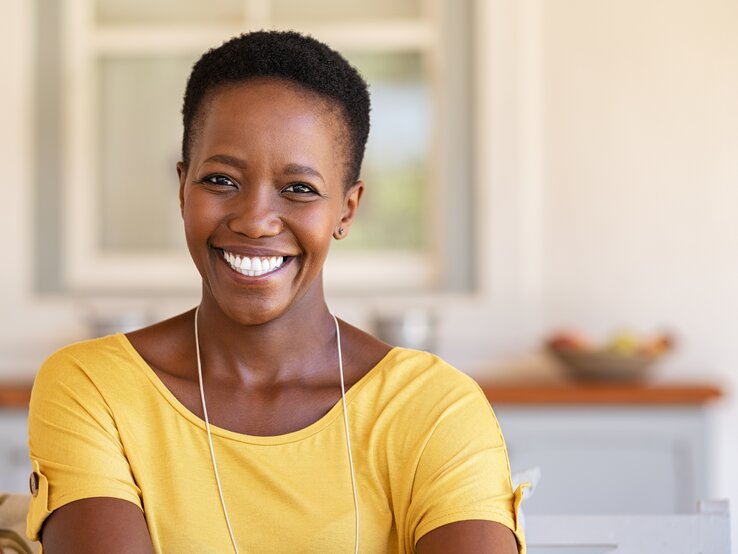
602 365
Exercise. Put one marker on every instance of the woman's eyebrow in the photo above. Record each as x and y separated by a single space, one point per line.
289 169
297 169
228 160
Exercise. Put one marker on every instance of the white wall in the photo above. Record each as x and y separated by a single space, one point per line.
608 171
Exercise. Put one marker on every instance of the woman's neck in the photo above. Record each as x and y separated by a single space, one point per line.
297 344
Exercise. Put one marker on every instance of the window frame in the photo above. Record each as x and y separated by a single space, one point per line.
450 223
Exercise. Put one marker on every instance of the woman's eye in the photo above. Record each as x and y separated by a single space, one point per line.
218 180
300 188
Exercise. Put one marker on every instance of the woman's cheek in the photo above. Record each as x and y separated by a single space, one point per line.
320 226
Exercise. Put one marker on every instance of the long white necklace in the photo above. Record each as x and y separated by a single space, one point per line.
210 438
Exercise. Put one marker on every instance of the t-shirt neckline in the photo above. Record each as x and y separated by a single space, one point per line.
293 436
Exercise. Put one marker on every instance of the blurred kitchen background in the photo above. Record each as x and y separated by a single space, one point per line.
534 166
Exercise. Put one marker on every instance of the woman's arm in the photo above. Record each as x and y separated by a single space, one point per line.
469 537
94 525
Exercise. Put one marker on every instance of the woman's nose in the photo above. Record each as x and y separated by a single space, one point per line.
255 213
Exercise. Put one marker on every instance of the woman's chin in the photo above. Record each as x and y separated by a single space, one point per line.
251 313
259 305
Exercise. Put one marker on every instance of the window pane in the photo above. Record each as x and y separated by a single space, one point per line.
140 132
395 170
120 12
332 10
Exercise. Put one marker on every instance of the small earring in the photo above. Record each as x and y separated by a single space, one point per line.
340 231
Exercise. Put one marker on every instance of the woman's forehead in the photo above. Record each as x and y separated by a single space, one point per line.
271 93
270 113
271 102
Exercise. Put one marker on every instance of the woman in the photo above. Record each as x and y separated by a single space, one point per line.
258 422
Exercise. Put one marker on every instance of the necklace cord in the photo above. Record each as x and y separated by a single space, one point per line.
210 438
348 436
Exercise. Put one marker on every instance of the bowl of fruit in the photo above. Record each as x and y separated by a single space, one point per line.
623 357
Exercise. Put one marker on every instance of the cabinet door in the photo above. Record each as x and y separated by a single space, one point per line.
15 466
609 461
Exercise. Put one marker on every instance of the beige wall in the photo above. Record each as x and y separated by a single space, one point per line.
641 167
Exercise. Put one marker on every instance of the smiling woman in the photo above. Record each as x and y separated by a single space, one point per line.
258 421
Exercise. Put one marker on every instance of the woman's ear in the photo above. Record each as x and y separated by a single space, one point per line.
351 201
182 174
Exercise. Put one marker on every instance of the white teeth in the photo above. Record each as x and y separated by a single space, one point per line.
253 267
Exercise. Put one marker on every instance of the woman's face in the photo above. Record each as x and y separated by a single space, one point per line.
263 196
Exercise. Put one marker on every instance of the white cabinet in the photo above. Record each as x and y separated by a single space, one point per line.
15 466
610 459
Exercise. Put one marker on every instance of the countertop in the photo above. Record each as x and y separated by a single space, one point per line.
531 394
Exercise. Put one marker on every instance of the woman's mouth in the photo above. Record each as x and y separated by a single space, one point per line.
255 266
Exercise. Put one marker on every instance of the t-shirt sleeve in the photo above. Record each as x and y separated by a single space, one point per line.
75 448
463 472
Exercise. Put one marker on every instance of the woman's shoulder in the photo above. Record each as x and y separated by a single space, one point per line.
86 354
89 368
108 365
167 346
426 370
414 381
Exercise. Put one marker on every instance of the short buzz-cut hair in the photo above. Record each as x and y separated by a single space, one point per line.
298 59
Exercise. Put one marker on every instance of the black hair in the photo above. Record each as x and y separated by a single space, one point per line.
288 55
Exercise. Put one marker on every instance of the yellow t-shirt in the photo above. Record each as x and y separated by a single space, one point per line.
426 445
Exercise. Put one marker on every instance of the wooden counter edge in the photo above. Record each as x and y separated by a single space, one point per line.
600 394
15 397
